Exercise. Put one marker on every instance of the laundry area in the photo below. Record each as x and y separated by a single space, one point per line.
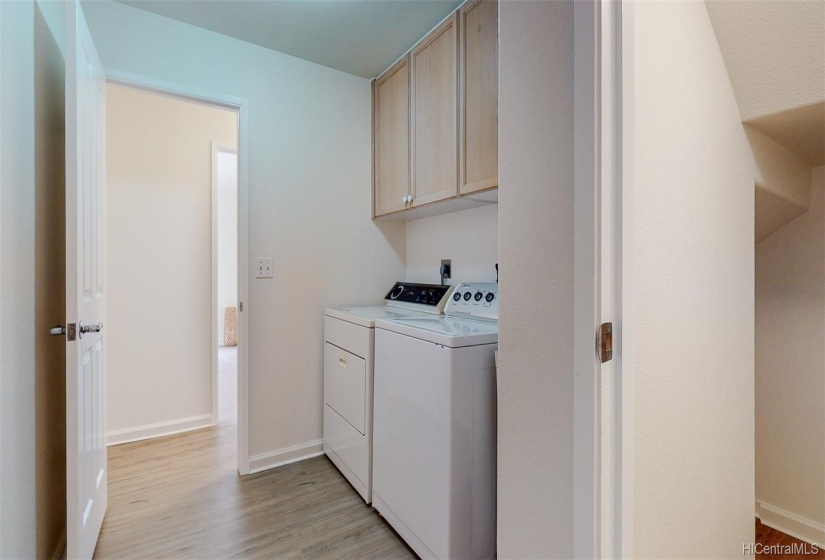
453 279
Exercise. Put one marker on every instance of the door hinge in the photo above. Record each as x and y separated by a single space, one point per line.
604 342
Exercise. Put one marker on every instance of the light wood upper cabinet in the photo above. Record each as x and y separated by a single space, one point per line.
478 162
435 119
434 64
392 139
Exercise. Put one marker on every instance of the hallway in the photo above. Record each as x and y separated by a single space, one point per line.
181 497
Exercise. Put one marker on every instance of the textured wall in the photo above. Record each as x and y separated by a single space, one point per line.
309 200
535 377
790 366
693 263
469 238
17 281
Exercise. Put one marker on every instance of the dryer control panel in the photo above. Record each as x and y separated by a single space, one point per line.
478 300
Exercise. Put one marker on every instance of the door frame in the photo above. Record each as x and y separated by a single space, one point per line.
603 393
240 105
625 293
216 148
586 299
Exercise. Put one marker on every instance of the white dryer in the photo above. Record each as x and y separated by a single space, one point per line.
434 438
348 374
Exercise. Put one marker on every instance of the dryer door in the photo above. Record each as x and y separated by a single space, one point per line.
345 384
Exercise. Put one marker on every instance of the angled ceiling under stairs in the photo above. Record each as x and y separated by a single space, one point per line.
774 52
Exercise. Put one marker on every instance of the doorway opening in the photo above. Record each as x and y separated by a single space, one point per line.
789 387
173 222
776 401
225 282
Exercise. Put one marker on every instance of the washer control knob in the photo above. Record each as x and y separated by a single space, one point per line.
456 296
490 297
467 296
478 296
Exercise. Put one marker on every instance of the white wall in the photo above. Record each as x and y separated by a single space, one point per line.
32 287
693 267
309 201
790 370
535 376
159 258
50 276
17 254
227 236
469 238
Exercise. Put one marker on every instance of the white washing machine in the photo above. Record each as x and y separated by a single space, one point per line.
349 343
434 438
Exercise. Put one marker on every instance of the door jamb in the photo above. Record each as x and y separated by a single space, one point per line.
603 393
242 107
625 290
586 386
610 277
216 149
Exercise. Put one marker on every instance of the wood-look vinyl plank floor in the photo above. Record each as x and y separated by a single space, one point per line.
181 497
768 536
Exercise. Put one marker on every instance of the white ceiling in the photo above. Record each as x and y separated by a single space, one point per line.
774 52
361 37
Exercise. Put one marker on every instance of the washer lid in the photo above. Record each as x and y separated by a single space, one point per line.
454 332
366 316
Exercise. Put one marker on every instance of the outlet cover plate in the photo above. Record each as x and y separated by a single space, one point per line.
263 267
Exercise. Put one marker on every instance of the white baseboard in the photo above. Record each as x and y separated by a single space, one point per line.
285 456
60 549
128 435
791 524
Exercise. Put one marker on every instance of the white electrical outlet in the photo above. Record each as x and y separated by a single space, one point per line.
263 268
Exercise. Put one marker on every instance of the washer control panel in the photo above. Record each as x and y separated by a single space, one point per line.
430 298
474 299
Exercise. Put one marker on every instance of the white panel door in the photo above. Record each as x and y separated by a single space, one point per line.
86 473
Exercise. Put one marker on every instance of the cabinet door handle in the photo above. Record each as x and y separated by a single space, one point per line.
342 361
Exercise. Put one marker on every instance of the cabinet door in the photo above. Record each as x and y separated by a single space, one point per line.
435 115
392 138
479 96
